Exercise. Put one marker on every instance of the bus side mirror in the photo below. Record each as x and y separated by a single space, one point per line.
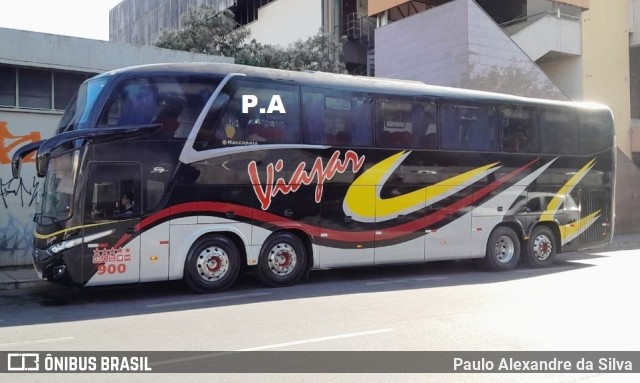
42 164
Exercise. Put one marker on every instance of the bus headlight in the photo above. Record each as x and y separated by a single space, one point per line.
58 247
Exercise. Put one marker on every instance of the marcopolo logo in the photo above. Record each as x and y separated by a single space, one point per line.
23 362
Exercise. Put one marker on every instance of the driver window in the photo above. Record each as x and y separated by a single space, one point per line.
113 192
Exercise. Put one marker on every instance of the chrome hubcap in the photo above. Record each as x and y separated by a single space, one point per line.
504 249
542 247
282 259
212 264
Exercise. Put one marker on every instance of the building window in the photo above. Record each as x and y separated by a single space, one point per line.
65 85
38 89
7 86
34 89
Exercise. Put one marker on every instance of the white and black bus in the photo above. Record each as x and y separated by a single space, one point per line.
199 171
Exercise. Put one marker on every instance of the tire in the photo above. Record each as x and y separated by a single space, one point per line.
213 264
503 250
282 261
541 247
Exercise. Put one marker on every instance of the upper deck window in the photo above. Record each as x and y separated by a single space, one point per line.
250 113
559 134
340 118
518 130
406 123
173 102
468 126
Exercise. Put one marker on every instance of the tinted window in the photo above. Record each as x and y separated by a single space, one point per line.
468 126
34 89
251 113
406 123
559 134
518 130
596 132
7 86
341 118
173 102
113 192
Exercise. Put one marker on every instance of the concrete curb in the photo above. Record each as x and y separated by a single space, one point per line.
12 278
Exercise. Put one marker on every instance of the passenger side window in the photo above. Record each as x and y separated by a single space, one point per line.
406 123
173 102
113 192
518 130
468 126
559 133
256 113
336 118
596 132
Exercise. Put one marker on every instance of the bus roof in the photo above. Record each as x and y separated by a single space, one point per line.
343 81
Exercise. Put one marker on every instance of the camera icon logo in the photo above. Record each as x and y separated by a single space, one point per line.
23 362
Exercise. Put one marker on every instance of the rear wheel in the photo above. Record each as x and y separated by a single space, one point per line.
541 247
213 264
503 250
282 261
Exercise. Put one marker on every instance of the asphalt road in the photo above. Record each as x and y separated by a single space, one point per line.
585 302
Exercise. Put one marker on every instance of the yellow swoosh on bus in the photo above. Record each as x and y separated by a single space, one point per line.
364 205
554 204
571 231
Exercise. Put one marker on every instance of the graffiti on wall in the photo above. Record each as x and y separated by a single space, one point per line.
17 196
9 142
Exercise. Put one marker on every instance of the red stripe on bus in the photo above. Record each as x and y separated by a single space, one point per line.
338 235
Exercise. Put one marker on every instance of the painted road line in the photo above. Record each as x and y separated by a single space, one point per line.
37 341
216 299
429 279
398 281
387 282
316 340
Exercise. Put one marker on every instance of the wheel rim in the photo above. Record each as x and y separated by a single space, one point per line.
212 264
504 249
542 247
282 259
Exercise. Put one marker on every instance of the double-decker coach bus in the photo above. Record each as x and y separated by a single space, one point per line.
199 171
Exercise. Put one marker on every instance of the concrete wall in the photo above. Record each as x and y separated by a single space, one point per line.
566 73
458 44
431 46
142 21
21 126
18 196
285 21
63 52
605 53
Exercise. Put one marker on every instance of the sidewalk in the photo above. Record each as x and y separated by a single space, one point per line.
19 277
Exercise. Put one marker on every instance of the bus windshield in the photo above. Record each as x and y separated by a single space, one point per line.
77 112
57 194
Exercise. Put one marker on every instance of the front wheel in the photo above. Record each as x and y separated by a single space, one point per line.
282 261
503 249
541 247
213 264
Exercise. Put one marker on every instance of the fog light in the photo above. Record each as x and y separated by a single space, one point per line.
58 271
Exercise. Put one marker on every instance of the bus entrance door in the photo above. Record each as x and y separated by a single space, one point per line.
111 217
